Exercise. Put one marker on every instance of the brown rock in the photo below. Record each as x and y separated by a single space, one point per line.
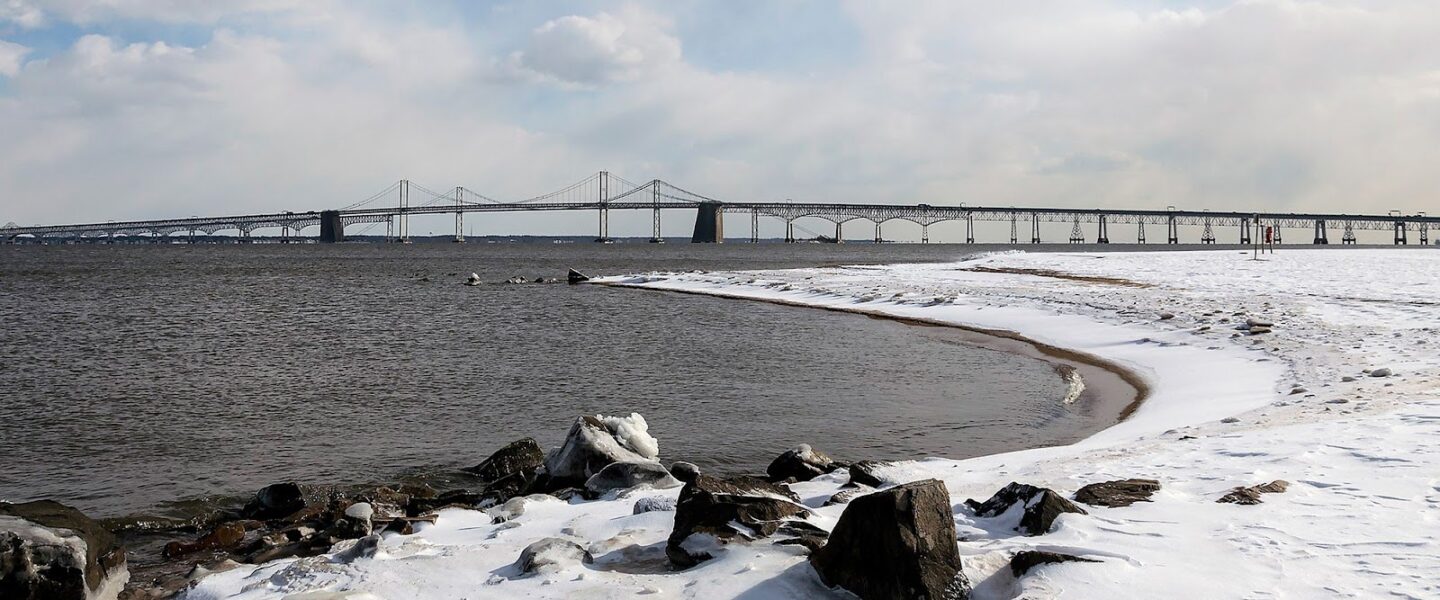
1119 493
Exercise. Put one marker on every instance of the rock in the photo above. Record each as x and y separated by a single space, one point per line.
1042 507
653 504
49 551
1251 495
1258 330
595 442
1381 372
474 279
1166 316
1115 494
684 471
724 508
1254 322
1347 379
275 501
352 550
1025 560
575 277
387 503
847 494
869 473
801 462
518 456
1299 389
222 537
1230 420
812 538
517 279
550 555
896 543
626 475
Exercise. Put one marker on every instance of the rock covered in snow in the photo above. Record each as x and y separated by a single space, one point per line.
802 463
626 475
1123 492
550 555
1251 495
275 501
593 443
653 504
724 508
49 551
847 494
870 473
1041 507
474 279
350 551
896 543
1023 561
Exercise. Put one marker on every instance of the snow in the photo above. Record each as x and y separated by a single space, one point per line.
1359 519
633 433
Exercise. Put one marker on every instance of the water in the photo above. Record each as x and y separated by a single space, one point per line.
135 376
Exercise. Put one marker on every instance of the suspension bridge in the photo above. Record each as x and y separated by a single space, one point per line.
603 192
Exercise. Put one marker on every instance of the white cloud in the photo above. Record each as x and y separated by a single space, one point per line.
12 57
600 49
33 13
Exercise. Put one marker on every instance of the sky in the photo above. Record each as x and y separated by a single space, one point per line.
124 109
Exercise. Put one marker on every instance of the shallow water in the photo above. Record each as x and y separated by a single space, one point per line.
134 376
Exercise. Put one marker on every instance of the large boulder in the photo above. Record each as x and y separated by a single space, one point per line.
871 473
801 463
593 443
551 554
1119 493
49 551
711 509
1041 506
626 475
519 456
275 501
896 543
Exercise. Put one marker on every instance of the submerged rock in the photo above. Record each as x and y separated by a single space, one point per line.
1119 493
725 508
593 443
1251 495
1041 507
550 555
626 475
896 543
802 463
50 551
1025 560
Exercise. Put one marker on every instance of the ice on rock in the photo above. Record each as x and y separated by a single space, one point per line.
633 433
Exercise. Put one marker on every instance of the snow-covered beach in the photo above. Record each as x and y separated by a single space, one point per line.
1227 408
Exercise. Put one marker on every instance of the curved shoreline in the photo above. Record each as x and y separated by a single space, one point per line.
1000 340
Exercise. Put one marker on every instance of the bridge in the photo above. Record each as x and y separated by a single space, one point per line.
594 194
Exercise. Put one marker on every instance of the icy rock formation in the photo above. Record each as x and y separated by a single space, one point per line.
49 551
1041 507
802 462
626 475
1119 493
724 508
897 543
595 442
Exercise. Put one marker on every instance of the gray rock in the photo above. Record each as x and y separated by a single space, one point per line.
802 463
275 501
896 543
1023 561
1166 316
551 554
725 508
626 475
653 504
1347 379
1251 495
351 551
1042 507
512 470
684 471
1256 322
589 447
870 473
1119 493
845 495
1381 372
576 277
49 551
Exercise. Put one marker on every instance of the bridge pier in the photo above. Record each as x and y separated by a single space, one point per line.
1320 237
332 229
1208 236
1424 234
1174 230
924 233
1245 232
1034 228
1076 235
879 239
1103 236
710 224
839 232
1401 238
1140 237
1277 232
754 226
969 228
1014 239
1348 238
789 231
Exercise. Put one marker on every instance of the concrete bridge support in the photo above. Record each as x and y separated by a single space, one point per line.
1140 236
1401 236
1174 236
878 238
1103 236
332 229
1244 231
1320 237
710 224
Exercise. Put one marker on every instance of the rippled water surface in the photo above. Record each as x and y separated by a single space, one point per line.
131 376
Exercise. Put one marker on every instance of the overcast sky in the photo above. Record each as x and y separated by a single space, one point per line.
117 109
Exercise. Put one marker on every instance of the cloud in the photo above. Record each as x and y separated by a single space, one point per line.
12 56
598 49
34 13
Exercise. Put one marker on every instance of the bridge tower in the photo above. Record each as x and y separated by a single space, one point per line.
404 217
754 225
879 239
1320 237
1034 228
839 232
969 228
1140 236
1103 236
1013 237
332 229
1174 230
1400 234
924 233
710 224
1348 238
655 214
1077 236
604 207
1207 236
789 230
1276 225
1424 232
459 215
